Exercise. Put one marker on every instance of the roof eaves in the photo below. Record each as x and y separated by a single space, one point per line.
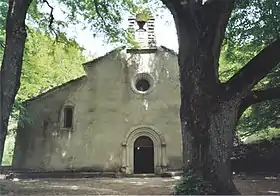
53 89
169 50
89 63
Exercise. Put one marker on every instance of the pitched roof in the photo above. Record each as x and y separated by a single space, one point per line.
131 50
106 55
169 50
89 63
54 89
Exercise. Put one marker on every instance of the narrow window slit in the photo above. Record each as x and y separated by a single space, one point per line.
68 117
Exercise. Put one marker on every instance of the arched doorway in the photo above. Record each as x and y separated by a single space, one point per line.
159 148
143 155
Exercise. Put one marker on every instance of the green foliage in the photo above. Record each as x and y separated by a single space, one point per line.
192 184
266 134
262 120
9 149
48 64
144 14
255 22
131 39
3 11
253 25
246 35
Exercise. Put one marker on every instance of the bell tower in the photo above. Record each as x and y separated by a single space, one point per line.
143 31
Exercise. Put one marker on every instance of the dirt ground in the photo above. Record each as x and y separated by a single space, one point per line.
249 185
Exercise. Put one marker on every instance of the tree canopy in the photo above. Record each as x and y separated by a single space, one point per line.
253 25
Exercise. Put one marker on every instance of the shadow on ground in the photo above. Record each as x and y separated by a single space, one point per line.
257 184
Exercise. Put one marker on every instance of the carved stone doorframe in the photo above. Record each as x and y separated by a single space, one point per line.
128 148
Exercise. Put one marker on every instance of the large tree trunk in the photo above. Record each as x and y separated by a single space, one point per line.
207 130
12 62
208 113
208 117
210 110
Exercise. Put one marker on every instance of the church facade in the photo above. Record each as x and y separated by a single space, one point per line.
122 116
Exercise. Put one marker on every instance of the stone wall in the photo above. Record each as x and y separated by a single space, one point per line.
106 109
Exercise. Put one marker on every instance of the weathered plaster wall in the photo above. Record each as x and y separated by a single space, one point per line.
105 110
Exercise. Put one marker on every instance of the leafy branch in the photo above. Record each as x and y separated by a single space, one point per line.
51 13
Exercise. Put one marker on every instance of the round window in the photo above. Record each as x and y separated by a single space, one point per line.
142 85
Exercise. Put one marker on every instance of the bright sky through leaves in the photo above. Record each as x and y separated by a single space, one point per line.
96 46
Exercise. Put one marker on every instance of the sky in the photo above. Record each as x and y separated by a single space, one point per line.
165 33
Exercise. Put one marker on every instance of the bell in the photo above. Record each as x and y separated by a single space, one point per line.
141 24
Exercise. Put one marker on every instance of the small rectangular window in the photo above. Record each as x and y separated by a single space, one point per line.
68 117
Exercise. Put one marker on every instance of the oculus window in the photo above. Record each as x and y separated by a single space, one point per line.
142 83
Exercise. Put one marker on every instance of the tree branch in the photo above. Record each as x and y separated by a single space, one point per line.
106 25
258 96
51 14
51 20
2 44
184 10
255 70
97 11
215 17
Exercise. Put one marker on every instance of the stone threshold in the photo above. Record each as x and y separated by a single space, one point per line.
11 174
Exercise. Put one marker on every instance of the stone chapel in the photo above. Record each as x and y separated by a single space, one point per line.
122 116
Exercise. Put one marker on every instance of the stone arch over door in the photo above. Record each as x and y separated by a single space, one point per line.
128 149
